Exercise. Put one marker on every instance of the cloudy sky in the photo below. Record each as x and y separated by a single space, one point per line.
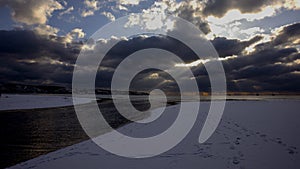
258 40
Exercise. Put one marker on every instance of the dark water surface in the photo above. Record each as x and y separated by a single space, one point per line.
29 133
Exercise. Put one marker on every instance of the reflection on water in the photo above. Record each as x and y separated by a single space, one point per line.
29 133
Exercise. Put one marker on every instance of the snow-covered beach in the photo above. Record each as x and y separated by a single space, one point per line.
26 101
252 134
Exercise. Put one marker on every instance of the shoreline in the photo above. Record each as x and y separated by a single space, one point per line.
245 138
34 132
30 133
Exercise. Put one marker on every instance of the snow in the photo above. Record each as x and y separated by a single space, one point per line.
15 102
252 134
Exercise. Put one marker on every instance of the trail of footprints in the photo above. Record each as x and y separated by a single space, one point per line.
234 135
238 129
238 133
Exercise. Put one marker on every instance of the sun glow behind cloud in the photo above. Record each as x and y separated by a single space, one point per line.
203 61
229 24
235 15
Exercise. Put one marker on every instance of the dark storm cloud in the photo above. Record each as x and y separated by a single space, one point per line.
28 57
253 72
34 73
259 71
144 81
287 36
125 48
288 82
260 58
285 82
219 8
187 12
273 66
228 47
26 44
